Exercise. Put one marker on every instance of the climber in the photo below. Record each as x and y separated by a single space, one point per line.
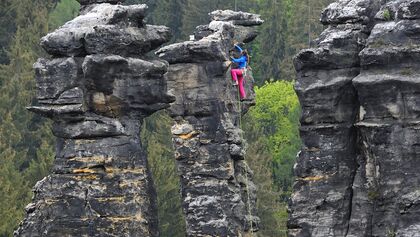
239 73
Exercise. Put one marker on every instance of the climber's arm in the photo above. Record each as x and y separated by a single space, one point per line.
238 48
239 60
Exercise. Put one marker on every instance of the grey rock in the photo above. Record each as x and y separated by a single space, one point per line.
218 194
237 18
87 2
356 171
409 10
129 41
55 76
100 183
53 111
398 10
120 86
350 11
193 51
202 31
109 29
89 128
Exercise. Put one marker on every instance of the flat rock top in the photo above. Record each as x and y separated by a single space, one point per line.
108 14
350 11
238 18
87 2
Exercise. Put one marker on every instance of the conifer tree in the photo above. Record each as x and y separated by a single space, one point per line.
22 133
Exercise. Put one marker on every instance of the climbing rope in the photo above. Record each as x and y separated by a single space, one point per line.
246 172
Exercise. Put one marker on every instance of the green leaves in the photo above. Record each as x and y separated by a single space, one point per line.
276 117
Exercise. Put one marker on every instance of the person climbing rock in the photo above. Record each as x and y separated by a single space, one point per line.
238 74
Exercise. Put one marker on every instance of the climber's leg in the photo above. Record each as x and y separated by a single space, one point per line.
235 74
241 87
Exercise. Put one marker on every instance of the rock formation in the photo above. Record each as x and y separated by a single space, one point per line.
217 190
359 89
97 87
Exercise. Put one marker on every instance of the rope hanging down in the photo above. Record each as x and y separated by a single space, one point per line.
246 172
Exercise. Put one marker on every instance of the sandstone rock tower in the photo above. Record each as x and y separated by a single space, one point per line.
217 189
357 174
97 87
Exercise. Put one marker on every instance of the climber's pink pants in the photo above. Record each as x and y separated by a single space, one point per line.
238 73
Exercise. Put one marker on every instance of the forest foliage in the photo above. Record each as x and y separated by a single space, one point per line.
27 145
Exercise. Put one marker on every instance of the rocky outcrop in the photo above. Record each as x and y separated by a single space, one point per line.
97 88
217 190
357 171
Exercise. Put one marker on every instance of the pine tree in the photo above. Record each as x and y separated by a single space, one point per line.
269 49
22 133
64 11
7 29
169 13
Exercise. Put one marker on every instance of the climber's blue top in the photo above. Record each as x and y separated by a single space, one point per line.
240 61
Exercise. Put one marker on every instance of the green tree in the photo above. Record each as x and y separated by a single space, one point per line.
64 11
26 149
269 48
276 115
271 210
169 13
7 28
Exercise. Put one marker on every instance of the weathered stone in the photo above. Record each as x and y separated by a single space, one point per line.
350 11
219 197
121 86
398 10
130 41
193 51
237 18
55 76
100 183
356 173
106 28
87 2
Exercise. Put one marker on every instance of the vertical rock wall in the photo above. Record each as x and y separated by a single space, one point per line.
218 194
359 89
97 87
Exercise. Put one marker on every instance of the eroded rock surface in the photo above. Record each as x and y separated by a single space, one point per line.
357 171
219 197
97 88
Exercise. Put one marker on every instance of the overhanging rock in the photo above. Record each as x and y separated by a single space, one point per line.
97 88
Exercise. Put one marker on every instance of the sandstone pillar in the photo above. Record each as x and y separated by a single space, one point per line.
97 86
